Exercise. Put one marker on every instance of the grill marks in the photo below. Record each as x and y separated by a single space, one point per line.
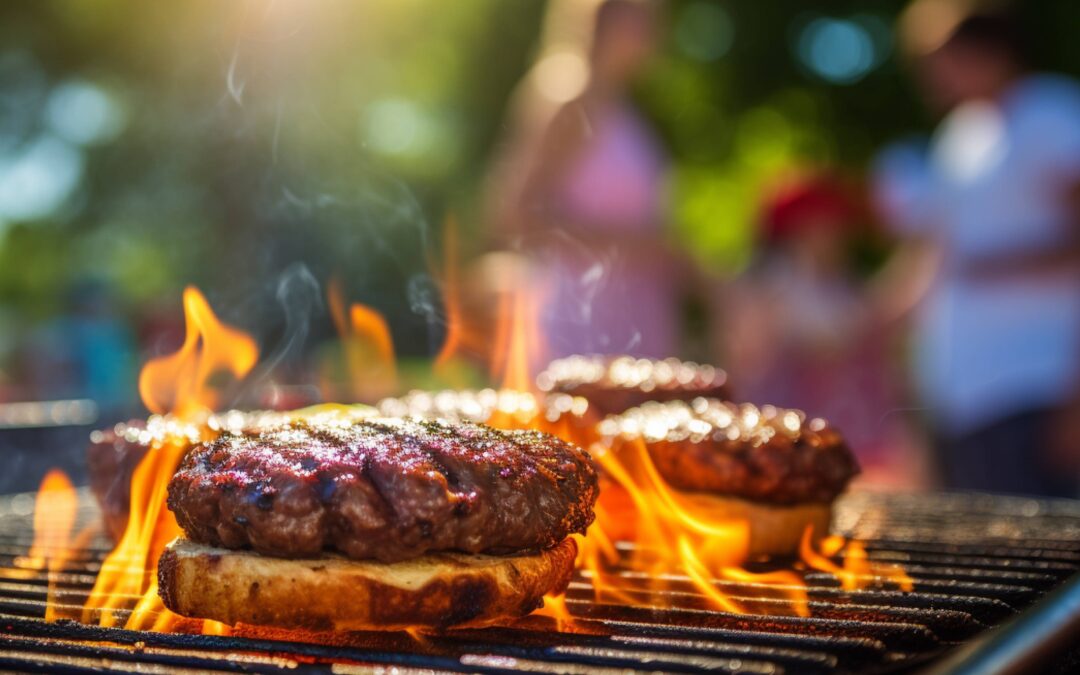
868 639
389 490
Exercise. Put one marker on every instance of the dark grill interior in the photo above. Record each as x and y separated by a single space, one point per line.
976 561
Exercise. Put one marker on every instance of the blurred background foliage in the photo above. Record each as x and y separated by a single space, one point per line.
145 146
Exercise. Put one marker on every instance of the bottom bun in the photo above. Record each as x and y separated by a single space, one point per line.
436 591
775 529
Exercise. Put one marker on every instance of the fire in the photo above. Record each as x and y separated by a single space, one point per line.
369 348
555 607
517 342
673 536
55 508
443 364
182 381
857 571
646 532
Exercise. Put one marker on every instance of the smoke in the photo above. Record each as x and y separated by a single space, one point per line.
423 295
233 83
300 189
299 294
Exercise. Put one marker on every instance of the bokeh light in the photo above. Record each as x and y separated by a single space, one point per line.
36 181
704 31
561 75
83 113
840 51
395 126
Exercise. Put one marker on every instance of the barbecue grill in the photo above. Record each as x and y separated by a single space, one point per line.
978 562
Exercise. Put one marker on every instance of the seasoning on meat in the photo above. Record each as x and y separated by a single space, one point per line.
388 489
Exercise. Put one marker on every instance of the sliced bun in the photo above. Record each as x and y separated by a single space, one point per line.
436 591
775 529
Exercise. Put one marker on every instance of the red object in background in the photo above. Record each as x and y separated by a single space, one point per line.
818 201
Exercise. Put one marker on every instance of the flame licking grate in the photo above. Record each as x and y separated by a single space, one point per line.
976 561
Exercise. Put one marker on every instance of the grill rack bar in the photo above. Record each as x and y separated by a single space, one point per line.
1027 642
962 586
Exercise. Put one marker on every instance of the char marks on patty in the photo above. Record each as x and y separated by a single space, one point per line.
387 489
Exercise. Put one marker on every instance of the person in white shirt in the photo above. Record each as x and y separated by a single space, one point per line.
994 198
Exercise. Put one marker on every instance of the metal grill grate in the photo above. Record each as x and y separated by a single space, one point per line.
976 560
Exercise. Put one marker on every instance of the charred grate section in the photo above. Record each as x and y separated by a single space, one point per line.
977 562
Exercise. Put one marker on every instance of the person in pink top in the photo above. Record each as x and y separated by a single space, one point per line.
590 210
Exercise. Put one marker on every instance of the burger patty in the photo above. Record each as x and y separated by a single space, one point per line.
764 454
115 453
614 384
111 460
389 489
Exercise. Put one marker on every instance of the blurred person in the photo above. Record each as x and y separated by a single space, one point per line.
798 333
990 212
581 192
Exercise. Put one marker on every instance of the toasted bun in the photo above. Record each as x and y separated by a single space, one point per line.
436 591
774 529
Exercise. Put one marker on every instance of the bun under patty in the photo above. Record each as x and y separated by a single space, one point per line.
435 591
769 467
374 524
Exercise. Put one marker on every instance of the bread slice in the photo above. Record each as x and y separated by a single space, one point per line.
436 591
775 529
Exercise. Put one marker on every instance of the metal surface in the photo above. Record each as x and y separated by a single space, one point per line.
1029 642
977 561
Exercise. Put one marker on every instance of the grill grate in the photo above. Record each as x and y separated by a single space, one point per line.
976 560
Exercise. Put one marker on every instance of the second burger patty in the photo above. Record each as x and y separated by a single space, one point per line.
387 489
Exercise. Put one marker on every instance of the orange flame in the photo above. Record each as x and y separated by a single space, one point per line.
181 381
451 301
55 509
517 342
369 348
672 536
858 571
555 607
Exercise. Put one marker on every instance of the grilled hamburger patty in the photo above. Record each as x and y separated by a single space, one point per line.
765 454
615 384
387 489
111 460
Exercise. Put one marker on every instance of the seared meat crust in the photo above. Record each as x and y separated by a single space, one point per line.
767 454
388 489
614 384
